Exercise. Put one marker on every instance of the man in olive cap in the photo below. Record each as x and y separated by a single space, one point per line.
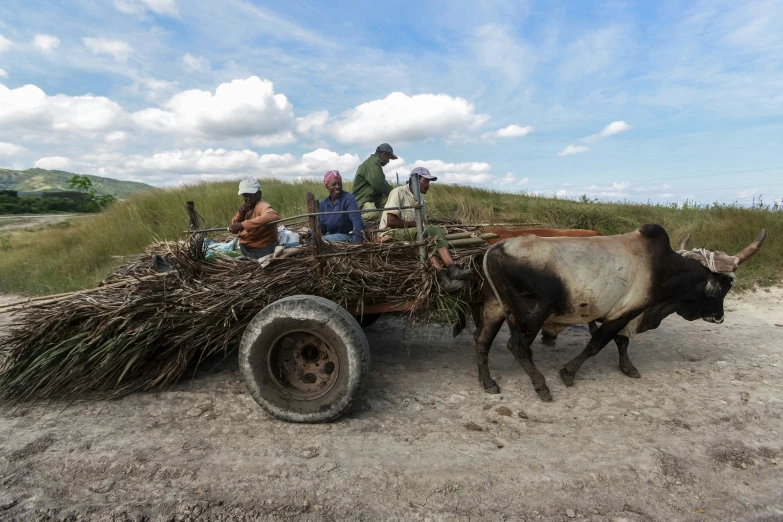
370 187
252 224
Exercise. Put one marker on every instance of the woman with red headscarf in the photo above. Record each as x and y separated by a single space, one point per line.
339 227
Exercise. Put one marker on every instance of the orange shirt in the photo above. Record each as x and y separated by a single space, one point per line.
258 232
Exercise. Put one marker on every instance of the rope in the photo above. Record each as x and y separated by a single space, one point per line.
706 258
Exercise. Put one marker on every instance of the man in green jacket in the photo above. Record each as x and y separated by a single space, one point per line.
370 187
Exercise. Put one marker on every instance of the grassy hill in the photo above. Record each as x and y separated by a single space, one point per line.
40 180
78 255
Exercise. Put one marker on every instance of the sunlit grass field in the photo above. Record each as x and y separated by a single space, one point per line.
78 254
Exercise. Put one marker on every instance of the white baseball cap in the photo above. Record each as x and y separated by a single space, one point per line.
248 186
423 172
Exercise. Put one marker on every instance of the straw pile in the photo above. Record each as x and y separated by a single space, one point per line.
141 330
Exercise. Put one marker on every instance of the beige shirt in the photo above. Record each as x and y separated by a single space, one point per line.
401 197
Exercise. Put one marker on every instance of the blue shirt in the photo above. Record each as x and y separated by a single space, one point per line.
341 223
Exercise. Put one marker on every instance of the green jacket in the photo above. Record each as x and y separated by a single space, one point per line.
370 184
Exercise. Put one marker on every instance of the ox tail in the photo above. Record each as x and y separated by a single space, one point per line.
492 283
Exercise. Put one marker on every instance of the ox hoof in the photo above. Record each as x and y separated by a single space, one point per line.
491 386
548 341
632 372
568 377
544 395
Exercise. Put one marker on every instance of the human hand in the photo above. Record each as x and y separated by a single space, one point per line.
246 208
236 228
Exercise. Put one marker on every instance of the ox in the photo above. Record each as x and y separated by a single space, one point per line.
548 336
540 232
629 283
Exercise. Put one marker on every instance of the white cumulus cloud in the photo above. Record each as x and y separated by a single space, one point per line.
117 49
195 63
5 44
617 191
137 7
573 149
616 127
53 163
512 131
402 118
46 43
239 109
182 166
3 73
312 122
29 108
116 137
274 140
9 149
469 172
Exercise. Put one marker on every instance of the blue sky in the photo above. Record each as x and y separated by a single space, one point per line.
659 101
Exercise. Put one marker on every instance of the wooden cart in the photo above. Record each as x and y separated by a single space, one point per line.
305 358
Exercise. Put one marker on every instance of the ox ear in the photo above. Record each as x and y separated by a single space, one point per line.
751 249
684 244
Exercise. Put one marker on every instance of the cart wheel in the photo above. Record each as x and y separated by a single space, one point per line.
304 359
367 319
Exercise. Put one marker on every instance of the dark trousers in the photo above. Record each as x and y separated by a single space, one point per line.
257 253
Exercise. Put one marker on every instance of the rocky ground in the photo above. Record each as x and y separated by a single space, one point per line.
698 437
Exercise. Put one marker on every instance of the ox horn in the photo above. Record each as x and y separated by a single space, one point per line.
684 244
751 249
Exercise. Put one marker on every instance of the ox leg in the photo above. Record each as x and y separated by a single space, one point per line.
626 366
548 340
600 338
528 318
476 310
519 346
491 321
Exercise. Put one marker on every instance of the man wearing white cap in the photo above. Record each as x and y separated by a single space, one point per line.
252 224
403 225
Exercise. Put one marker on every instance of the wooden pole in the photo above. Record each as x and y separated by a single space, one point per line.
418 214
193 220
315 231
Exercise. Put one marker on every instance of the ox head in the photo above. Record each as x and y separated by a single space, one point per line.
704 300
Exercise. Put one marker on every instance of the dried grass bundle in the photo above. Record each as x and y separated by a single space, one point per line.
136 332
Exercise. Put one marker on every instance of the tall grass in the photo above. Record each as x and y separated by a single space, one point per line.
62 258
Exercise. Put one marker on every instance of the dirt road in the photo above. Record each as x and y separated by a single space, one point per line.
698 437
9 223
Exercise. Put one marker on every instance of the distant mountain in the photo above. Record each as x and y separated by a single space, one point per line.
31 181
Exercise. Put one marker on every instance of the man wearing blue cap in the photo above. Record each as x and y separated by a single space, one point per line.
403 228
370 187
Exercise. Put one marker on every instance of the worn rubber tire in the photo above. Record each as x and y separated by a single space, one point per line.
367 320
336 326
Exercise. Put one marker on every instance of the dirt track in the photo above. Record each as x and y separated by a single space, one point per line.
698 437
9 223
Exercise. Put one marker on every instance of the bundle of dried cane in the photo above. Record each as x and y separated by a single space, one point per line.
141 329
